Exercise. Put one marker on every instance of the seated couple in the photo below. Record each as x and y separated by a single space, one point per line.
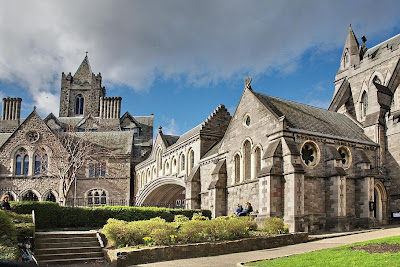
247 210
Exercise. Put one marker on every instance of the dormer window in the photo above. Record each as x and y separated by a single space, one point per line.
79 102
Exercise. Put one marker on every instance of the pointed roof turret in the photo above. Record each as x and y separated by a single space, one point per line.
351 55
84 72
351 42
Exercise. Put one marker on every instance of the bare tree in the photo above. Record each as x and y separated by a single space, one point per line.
70 154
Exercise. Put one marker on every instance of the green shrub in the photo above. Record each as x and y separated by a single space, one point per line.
121 233
274 225
7 228
198 216
180 218
51 215
192 231
8 251
162 236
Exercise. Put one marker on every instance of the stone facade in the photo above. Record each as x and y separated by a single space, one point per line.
317 169
86 113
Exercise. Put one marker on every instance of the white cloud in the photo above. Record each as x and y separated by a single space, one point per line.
171 128
200 42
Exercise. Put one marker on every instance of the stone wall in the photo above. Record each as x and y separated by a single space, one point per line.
158 254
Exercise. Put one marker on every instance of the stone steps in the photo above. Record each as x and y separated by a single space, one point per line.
67 247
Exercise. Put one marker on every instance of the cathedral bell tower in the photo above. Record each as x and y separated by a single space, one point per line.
81 93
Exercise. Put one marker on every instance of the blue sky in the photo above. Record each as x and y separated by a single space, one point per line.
181 59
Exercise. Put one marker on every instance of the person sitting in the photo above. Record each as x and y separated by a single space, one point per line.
4 204
238 209
247 210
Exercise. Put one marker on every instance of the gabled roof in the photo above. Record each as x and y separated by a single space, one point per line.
84 72
313 119
127 115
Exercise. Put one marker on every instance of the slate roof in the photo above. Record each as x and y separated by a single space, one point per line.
189 134
117 142
213 150
72 121
170 139
393 42
4 137
313 119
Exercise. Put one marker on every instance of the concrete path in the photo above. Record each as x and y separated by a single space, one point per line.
236 258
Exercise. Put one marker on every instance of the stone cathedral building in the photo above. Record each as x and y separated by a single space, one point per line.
318 169
28 145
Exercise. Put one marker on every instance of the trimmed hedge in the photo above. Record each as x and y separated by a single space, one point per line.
51 215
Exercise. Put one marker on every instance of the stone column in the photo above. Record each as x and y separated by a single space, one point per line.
101 107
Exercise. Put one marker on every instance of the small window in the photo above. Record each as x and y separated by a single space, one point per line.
376 80
345 155
136 132
246 120
310 153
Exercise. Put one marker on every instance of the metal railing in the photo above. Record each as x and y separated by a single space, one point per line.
90 202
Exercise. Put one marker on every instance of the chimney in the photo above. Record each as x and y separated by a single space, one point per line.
110 107
11 108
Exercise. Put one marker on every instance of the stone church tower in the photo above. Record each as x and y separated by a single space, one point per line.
80 94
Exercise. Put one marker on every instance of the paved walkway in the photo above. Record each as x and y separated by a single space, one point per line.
236 258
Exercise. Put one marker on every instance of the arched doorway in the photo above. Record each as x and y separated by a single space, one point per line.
380 203
163 192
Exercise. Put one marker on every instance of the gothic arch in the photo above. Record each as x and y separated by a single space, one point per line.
256 157
372 77
381 203
50 191
39 196
163 188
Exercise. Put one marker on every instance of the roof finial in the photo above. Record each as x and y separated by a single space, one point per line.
159 129
86 52
247 83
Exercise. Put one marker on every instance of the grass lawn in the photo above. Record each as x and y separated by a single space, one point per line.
340 256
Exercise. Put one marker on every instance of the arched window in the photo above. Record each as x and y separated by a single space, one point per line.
191 161
182 163
364 104
50 197
30 196
37 165
257 162
18 165
237 168
97 197
79 101
159 162
247 160
26 165
21 162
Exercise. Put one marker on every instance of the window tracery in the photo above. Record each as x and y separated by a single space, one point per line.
79 102
310 153
97 197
